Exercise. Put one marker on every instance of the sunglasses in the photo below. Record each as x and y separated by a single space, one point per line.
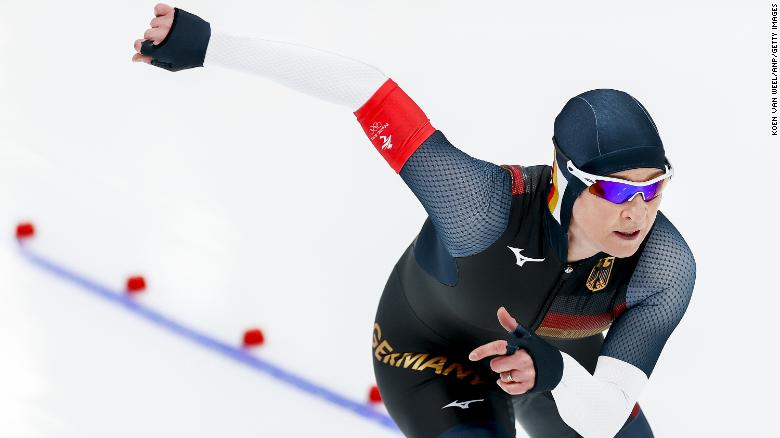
618 191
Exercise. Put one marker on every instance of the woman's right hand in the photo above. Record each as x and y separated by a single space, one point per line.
158 30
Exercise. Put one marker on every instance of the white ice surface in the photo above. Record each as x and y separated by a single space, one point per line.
245 204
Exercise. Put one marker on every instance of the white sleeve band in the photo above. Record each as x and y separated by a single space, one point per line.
329 76
598 405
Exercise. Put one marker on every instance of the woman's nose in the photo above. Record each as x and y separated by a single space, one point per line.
636 208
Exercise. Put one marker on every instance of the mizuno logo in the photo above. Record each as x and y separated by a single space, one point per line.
521 258
386 141
463 404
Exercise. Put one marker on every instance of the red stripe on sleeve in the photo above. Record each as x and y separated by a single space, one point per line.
518 183
395 124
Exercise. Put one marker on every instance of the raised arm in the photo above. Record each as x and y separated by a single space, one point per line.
467 199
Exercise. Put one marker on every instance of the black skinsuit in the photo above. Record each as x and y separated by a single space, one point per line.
436 308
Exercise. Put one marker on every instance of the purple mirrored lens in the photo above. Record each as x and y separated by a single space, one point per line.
619 193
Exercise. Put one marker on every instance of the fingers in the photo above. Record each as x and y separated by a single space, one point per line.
490 349
505 363
164 21
156 35
162 9
521 360
515 388
142 58
506 320
159 28
516 376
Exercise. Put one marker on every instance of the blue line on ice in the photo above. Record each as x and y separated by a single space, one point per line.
193 335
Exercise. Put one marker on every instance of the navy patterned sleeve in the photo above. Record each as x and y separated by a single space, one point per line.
658 295
468 200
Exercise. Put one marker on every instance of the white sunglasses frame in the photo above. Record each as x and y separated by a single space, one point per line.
589 179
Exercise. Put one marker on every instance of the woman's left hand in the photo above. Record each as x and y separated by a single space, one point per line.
516 372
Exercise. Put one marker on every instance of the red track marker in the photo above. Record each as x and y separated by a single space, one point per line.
135 284
25 230
253 338
373 395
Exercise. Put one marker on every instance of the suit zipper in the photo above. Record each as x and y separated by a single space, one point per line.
567 270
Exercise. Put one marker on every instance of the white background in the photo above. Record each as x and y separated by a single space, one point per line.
244 203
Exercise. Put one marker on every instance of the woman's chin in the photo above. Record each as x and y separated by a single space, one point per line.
622 249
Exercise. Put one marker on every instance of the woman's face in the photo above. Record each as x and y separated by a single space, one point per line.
598 224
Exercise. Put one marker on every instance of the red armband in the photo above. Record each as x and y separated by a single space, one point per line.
394 123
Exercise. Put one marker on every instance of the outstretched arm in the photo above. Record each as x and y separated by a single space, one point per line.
328 76
467 199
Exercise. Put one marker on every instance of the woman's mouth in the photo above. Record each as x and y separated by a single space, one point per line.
627 236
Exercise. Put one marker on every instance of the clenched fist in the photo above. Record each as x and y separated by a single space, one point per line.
158 30
176 39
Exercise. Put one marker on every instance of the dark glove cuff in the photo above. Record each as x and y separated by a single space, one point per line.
548 361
